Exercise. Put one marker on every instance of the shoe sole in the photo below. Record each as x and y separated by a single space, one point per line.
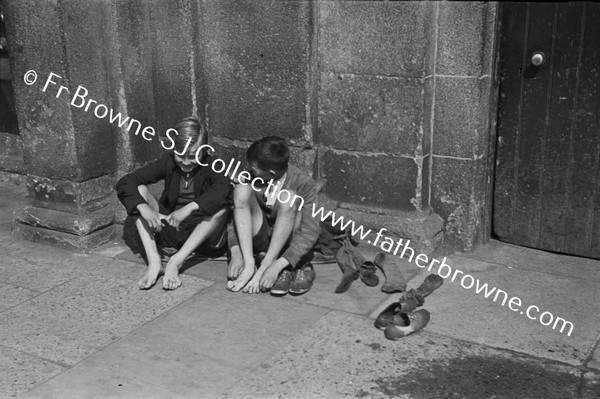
278 293
299 292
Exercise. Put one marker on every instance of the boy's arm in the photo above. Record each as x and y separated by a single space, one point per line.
305 237
127 186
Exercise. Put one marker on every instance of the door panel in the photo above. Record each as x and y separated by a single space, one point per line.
546 190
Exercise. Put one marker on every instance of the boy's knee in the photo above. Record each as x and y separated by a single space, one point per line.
242 195
144 191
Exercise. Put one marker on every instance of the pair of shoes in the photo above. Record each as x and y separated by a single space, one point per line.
297 282
397 324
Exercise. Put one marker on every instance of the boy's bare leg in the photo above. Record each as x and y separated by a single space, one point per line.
201 232
248 219
147 236
271 266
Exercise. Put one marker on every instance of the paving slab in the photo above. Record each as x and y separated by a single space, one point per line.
463 314
344 356
89 311
197 349
11 296
21 371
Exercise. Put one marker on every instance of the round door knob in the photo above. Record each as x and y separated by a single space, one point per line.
538 58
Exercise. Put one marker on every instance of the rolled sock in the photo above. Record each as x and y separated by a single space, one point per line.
394 280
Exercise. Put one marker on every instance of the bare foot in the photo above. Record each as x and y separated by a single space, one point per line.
236 264
154 270
171 279
242 279
253 285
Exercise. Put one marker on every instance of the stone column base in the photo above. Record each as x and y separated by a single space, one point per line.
73 215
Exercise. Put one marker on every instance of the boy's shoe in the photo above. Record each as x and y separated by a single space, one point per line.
409 301
413 322
431 283
389 316
282 285
303 279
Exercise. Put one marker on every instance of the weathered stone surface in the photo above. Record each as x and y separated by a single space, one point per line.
372 114
425 182
11 153
375 37
173 70
461 127
131 54
428 110
66 222
423 229
383 180
85 37
64 240
256 67
44 121
461 36
70 196
458 196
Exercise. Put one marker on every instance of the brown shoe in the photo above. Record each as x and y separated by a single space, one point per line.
413 322
303 279
282 285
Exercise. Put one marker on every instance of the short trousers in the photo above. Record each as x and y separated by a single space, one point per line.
169 236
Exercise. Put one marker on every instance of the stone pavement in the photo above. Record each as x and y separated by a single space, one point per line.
76 326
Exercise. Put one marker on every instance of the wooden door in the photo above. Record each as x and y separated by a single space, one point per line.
547 183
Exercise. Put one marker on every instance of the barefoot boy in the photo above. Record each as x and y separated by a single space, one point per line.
192 210
274 218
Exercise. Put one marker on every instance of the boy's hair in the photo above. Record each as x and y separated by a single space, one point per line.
269 153
190 127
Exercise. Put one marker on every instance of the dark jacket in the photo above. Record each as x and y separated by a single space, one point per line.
213 191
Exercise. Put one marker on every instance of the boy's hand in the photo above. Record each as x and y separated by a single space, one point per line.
175 218
152 217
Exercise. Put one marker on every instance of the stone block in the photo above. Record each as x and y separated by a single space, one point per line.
256 68
375 37
44 121
132 89
423 229
11 153
461 38
173 70
372 114
458 190
85 37
63 240
80 225
72 197
425 182
461 117
382 180
428 99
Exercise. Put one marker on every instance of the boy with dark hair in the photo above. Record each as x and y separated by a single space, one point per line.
276 219
192 210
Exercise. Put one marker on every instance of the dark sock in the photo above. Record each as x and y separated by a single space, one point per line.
394 280
344 259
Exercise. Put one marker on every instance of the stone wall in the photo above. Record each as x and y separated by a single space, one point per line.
387 102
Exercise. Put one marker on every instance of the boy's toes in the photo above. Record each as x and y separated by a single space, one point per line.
145 283
171 282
